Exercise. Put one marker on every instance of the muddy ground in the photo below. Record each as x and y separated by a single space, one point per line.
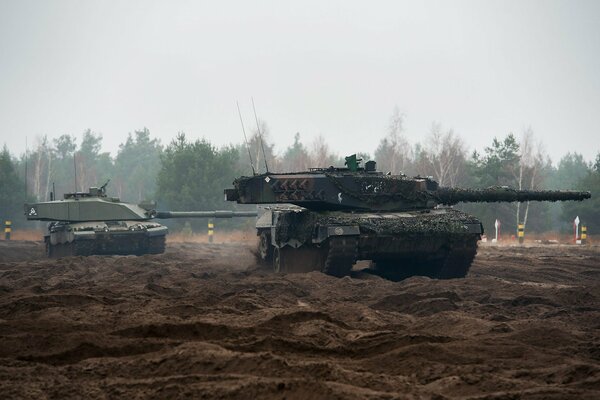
201 321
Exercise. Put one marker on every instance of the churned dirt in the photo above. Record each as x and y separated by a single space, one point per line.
202 321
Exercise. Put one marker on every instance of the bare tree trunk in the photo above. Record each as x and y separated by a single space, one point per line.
524 162
48 172
446 154
37 173
532 185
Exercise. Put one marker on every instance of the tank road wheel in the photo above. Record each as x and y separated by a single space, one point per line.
342 254
265 249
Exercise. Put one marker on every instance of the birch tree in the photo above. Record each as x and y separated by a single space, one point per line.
446 154
63 166
532 157
393 153
320 154
41 169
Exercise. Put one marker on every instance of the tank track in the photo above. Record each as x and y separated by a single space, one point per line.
77 248
156 245
454 262
459 260
342 254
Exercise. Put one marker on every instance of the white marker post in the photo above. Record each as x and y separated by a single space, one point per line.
576 226
497 226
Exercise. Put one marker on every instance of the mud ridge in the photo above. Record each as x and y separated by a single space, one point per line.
205 321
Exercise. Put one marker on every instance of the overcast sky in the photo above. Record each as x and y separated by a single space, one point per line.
338 69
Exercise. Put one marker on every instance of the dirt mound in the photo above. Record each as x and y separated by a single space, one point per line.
203 321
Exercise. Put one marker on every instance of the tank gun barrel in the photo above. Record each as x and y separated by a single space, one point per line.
451 196
204 214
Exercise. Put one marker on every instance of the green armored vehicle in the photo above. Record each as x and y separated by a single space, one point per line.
329 218
86 223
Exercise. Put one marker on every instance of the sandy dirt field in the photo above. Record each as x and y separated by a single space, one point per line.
202 321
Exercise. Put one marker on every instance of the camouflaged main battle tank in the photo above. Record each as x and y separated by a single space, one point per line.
86 223
328 218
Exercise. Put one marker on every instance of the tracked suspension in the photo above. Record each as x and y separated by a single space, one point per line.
459 259
342 254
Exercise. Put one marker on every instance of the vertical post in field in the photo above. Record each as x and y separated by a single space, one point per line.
521 233
211 231
7 229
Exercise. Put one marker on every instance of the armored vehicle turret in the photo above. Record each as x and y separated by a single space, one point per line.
86 223
328 218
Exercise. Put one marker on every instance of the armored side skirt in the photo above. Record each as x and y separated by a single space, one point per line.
61 243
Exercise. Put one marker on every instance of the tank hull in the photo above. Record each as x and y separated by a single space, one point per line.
104 237
439 243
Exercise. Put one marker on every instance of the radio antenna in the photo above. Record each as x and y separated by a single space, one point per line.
260 135
246 139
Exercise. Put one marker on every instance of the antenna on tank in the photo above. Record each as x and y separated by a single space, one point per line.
246 139
260 135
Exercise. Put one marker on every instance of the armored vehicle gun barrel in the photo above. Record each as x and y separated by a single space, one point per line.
204 214
450 196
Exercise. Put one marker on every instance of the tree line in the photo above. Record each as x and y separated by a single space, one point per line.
191 175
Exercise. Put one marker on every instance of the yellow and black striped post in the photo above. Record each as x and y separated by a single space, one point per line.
583 234
7 229
211 231
521 233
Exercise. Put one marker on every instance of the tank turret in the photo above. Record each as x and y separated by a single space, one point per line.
85 223
336 216
362 189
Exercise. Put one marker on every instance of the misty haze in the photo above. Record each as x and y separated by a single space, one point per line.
272 199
